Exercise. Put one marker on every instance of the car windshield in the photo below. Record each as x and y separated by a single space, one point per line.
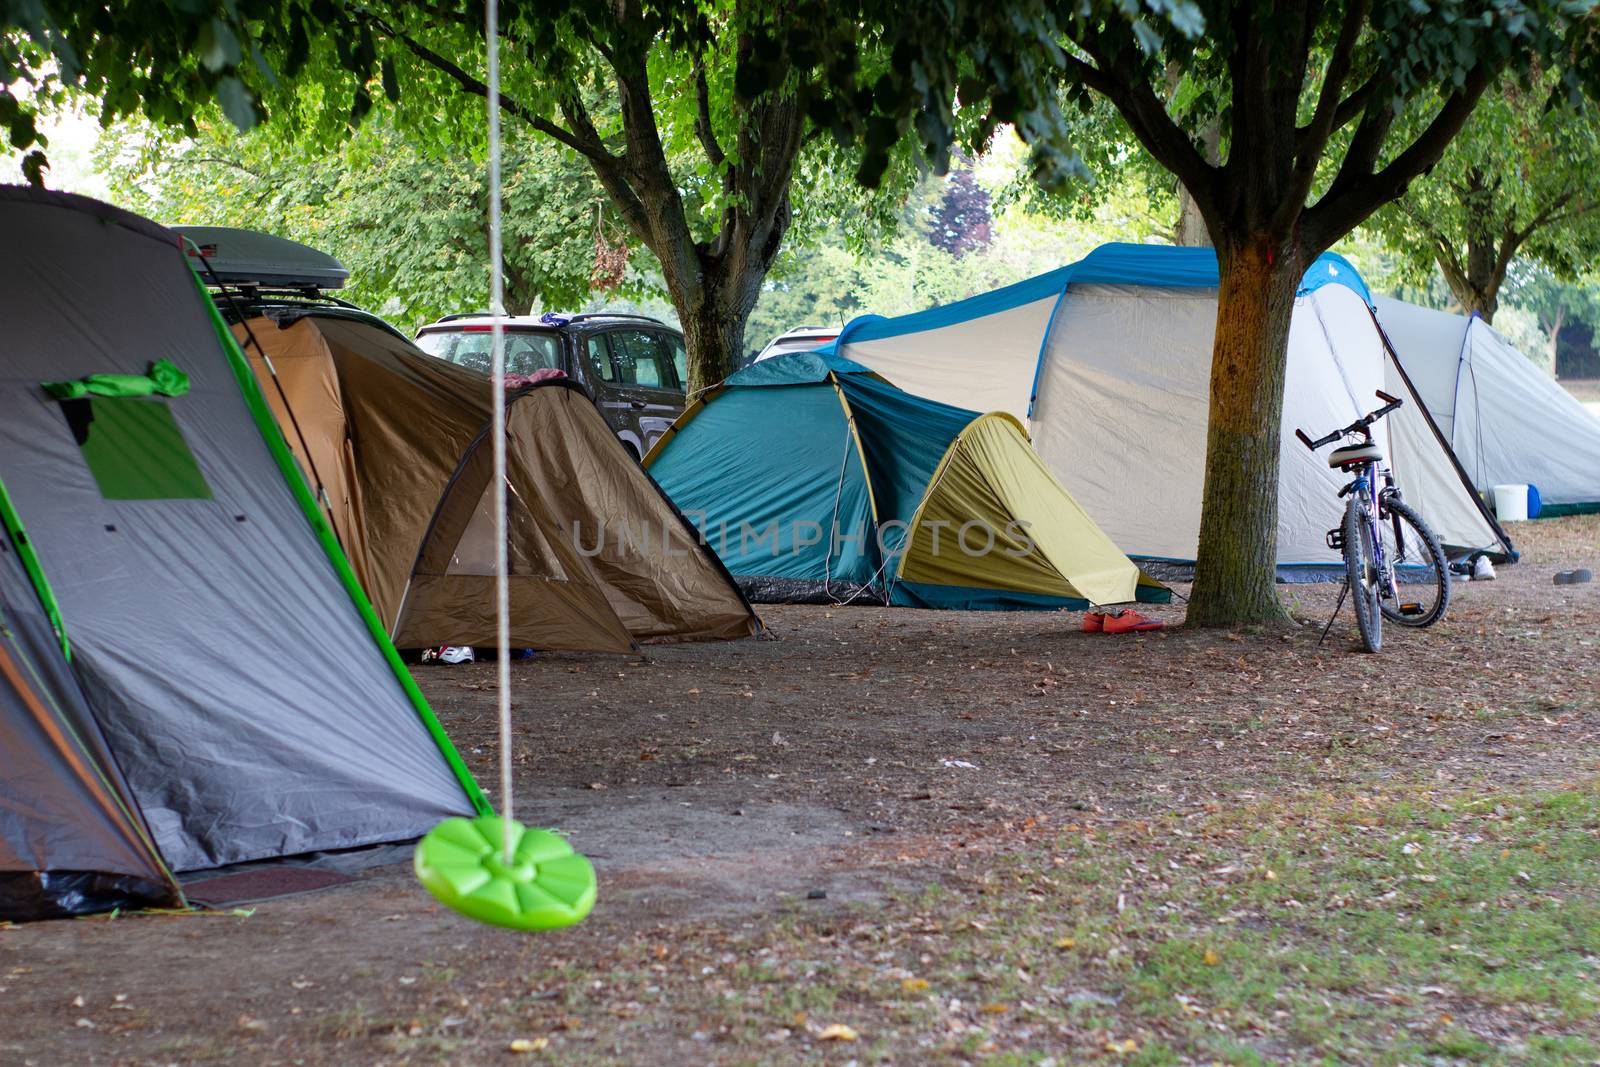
526 351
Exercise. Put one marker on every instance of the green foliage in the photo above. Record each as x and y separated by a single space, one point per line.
410 224
1520 180
164 58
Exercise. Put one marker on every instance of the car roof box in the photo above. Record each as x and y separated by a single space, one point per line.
245 257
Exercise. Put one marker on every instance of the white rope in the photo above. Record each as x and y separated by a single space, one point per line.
497 335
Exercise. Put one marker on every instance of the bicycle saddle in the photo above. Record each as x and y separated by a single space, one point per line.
1355 455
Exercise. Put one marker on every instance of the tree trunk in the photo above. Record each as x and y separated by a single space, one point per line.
714 338
1553 333
1191 228
713 308
1236 565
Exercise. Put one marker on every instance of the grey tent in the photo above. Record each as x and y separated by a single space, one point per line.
217 688
1505 419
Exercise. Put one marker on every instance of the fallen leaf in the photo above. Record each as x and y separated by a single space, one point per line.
914 985
1065 942
1211 959
837 1032
995 1008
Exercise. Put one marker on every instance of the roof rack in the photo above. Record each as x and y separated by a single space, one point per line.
615 315
583 317
298 294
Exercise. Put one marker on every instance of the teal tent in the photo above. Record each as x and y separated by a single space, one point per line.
816 480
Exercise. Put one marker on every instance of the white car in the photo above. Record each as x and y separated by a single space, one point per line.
799 339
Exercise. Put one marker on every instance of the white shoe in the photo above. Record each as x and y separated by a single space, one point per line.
1482 570
451 654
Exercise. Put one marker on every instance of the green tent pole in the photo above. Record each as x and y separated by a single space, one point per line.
30 563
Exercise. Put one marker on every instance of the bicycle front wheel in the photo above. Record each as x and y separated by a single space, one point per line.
1420 568
1361 570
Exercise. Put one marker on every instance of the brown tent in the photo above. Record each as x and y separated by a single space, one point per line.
399 448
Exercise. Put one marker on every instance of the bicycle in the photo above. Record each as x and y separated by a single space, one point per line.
1384 541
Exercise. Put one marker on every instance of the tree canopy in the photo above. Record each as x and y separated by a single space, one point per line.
1520 180
162 58
409 223
693 118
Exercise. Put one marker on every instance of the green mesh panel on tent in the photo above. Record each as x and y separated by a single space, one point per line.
135 449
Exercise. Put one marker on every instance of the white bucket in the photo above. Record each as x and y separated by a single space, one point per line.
1511 503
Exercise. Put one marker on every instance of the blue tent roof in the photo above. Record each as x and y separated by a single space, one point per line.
797 368
1157 266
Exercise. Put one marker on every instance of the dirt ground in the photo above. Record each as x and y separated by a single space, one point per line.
777 823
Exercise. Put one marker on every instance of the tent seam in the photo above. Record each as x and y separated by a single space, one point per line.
1393 356
1044 343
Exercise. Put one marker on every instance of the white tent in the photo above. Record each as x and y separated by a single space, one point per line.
1507 420
1110 359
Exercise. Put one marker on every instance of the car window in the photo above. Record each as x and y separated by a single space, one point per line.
680 362
600 358
642 359
525 352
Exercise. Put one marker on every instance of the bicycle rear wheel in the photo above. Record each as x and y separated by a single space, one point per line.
1420 568
1361 570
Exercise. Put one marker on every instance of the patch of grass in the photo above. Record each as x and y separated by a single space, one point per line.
1359 931
1343 927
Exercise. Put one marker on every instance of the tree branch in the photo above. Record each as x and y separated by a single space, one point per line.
702 119
1356 192
610 169
1150 122
1310 140
591 148
1354 105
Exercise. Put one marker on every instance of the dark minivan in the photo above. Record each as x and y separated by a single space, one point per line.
634 367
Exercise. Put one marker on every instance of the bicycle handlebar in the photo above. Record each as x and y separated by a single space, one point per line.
1359 426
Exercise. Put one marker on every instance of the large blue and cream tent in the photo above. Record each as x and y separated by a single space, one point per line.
870 493
1110 360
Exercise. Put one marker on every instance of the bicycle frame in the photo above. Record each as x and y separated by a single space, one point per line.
1365 481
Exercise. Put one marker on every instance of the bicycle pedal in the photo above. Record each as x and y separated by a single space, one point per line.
1335 539
1411 609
